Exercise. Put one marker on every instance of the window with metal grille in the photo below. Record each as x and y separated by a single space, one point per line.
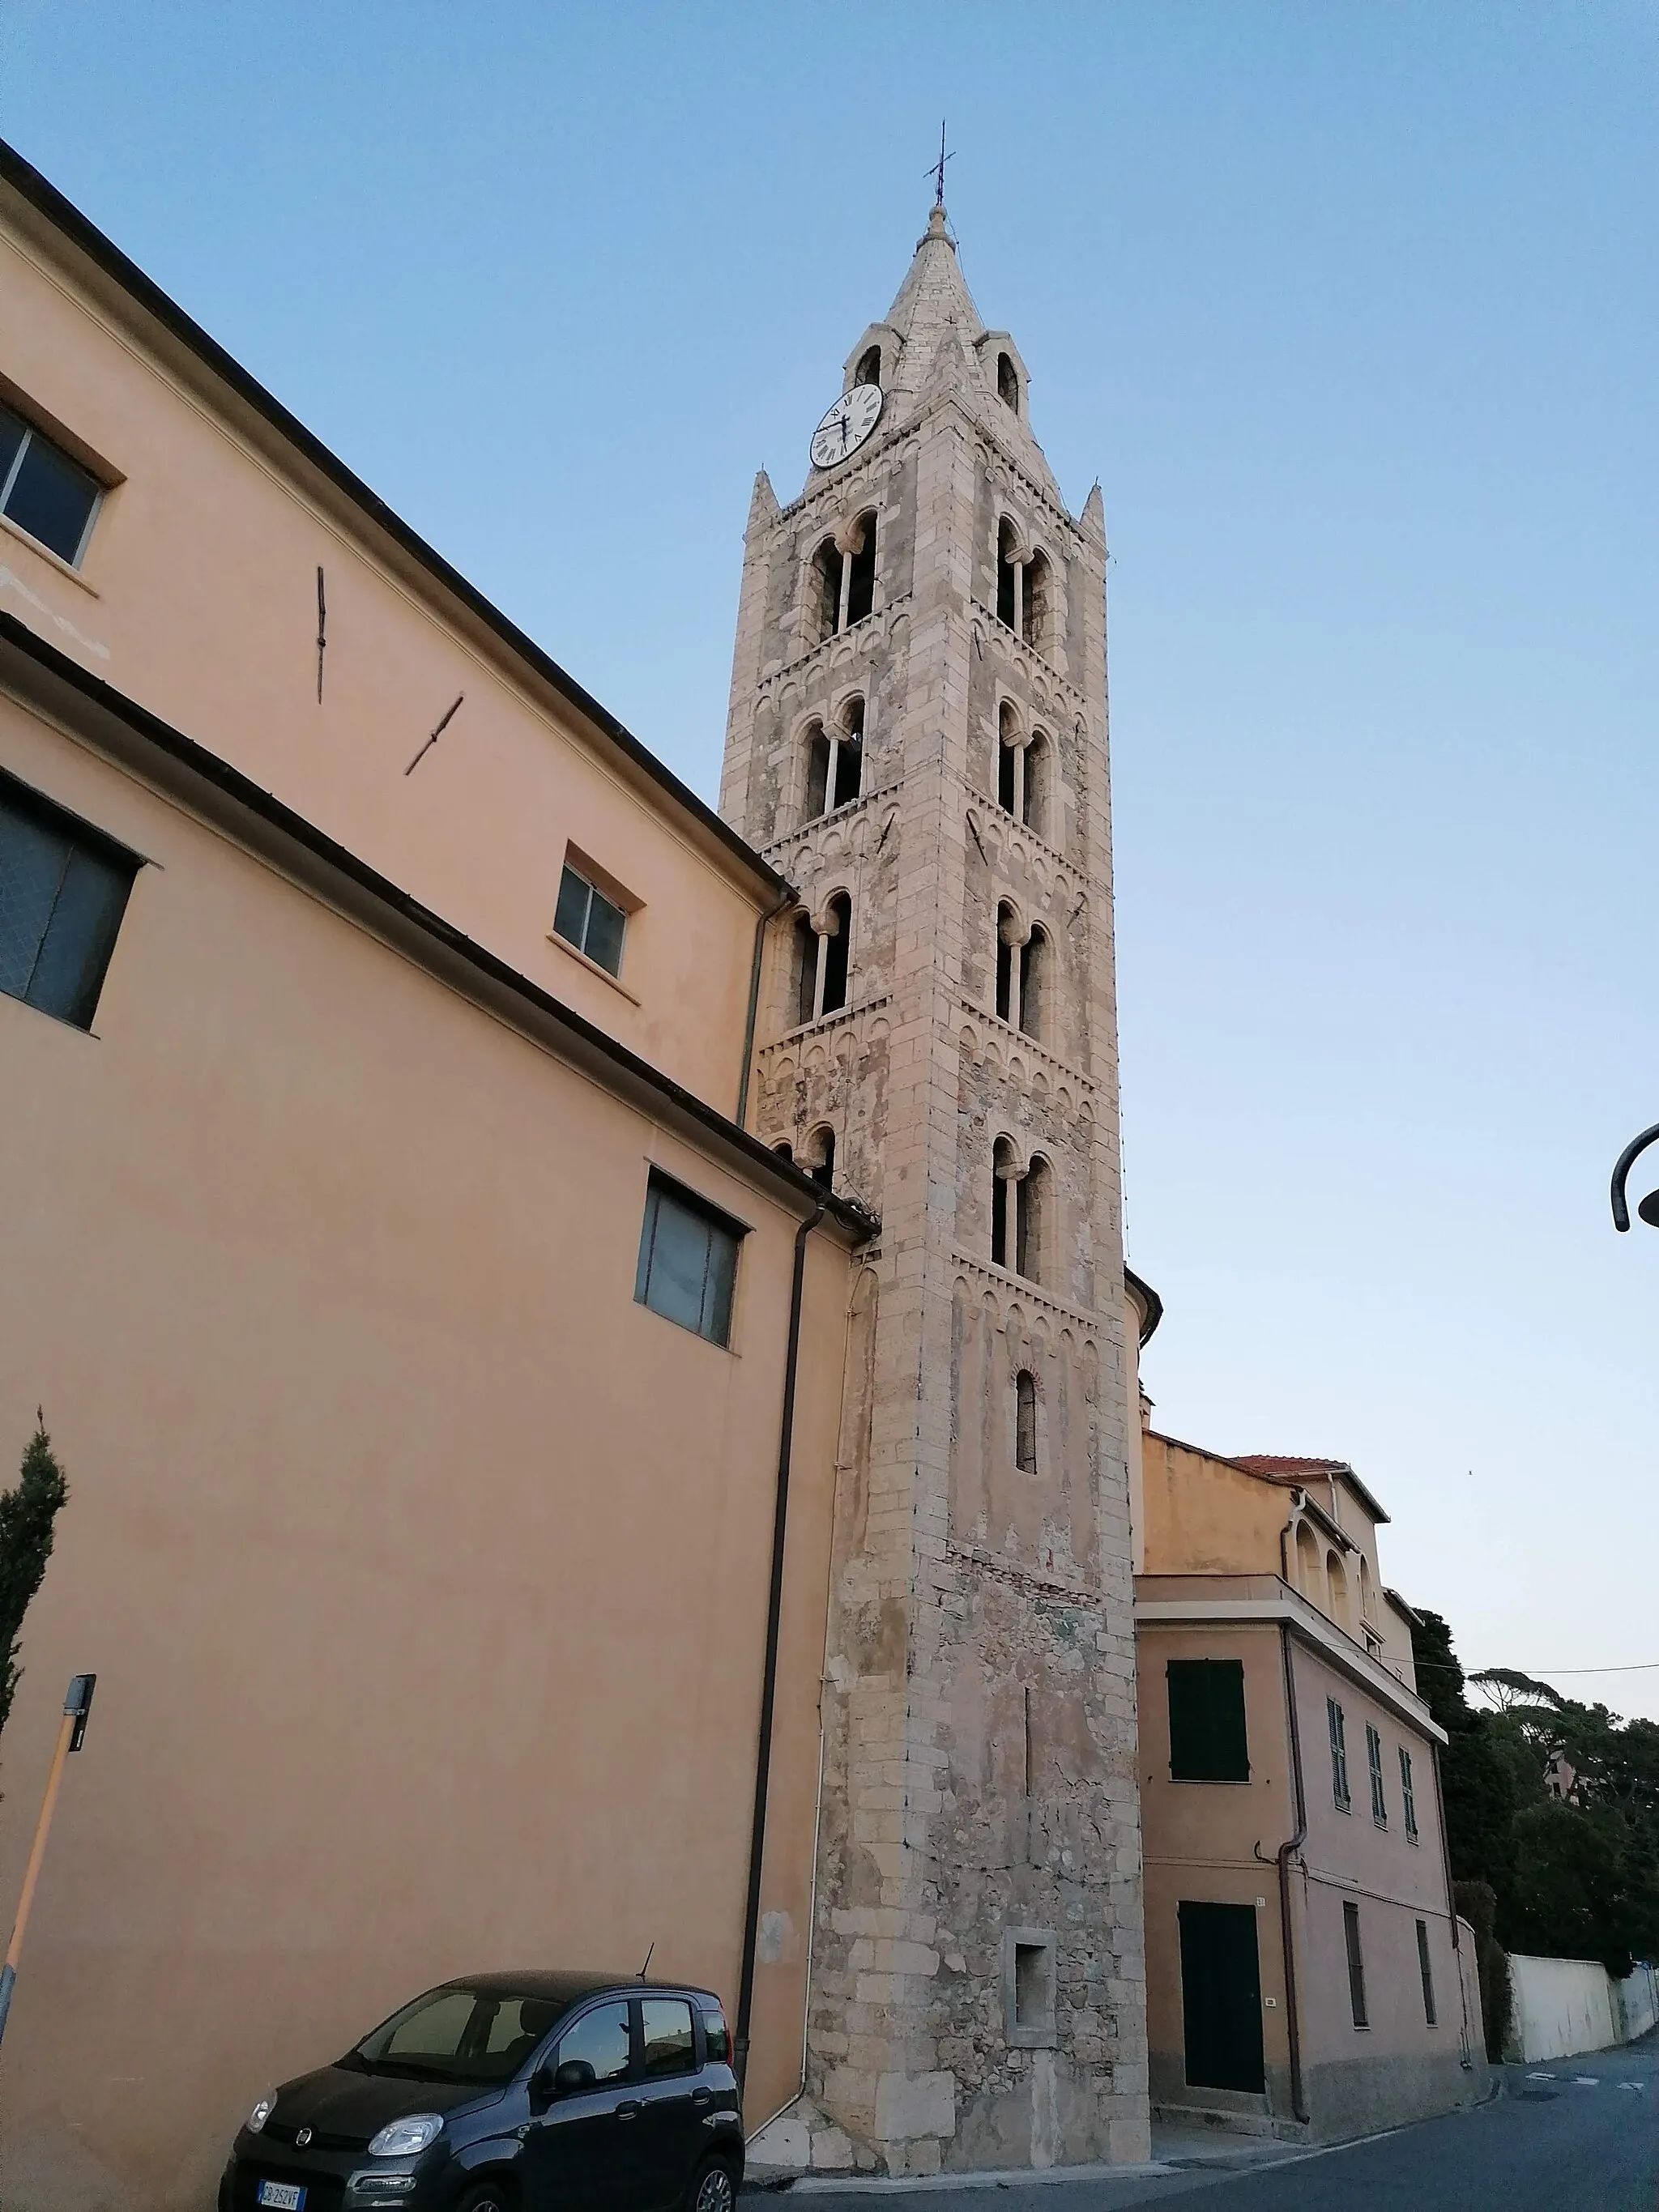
1374 1758
63 891
1356 1965
586 918
1338 1754
43 491
1427 1969
688 1260
1208 1741
1407 1795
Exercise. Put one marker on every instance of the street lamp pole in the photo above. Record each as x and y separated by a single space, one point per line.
1648 1211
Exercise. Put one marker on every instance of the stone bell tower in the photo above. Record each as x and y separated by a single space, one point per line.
918 740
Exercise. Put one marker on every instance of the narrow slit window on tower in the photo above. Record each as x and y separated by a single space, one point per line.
807 969
1007 577
1006 950
850 755
862 573
821 1157
1033 982
1002 1180
1007 382
869 368
1034 798
835 950
826 590
1025 1421
817 773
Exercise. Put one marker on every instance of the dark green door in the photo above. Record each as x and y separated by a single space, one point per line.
1221 1996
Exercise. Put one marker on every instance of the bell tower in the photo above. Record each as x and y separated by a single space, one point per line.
918 740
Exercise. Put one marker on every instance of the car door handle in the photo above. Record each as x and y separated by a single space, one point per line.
631 2110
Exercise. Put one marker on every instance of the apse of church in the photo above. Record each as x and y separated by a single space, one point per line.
917 741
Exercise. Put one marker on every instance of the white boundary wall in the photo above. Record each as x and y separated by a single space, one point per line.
1563 2006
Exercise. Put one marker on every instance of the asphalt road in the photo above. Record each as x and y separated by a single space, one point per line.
1586 2140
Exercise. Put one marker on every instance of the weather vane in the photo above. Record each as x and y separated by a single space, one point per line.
936 171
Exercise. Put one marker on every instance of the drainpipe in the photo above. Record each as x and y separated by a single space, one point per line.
769 1675
1292 2017
762 924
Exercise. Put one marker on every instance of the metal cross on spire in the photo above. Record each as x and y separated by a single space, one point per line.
936 172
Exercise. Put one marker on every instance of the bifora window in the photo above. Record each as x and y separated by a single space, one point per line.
586 918
1207 1738
63 892
43 491
688 1260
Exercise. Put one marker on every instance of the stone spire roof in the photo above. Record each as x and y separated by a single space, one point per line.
947 348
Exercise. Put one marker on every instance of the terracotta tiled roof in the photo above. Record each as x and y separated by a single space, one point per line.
1280 1463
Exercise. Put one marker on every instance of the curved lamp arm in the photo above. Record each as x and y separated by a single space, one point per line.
1626 1161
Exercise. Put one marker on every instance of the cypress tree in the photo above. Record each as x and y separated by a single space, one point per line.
27 1512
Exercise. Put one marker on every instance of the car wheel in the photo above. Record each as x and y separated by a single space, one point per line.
713 2189
489 2197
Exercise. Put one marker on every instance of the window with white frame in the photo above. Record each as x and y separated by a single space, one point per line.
43 491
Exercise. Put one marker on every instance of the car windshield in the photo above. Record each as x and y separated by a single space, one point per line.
452 2034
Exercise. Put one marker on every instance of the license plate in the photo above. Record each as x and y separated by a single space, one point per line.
282 2195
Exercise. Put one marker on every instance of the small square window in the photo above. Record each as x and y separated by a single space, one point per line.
688 1260
43 491
586 918
63 892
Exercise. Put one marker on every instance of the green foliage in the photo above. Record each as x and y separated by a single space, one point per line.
27 1512
1576 1879
1477 1903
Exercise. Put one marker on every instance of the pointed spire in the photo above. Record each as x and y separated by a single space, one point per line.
934 293
762 505
1093 518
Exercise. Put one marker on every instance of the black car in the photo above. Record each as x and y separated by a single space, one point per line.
510 2093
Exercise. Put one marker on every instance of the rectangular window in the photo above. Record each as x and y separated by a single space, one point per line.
1207 1740
1338 1754
716 2037
688 1260
1356 1963
1407 1795
1426 1970
43 491
586 918
63 892
1374 1758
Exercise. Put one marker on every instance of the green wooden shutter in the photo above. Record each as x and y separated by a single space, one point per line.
1208 1741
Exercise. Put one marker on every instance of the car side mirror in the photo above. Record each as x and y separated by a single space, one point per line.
573 2077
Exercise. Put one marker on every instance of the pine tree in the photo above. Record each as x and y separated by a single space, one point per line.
27 1515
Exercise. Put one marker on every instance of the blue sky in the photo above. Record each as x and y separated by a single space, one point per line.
1353 310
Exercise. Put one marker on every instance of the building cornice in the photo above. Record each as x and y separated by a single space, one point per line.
41 677
1265 1600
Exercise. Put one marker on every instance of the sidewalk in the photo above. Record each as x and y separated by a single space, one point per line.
1175 2152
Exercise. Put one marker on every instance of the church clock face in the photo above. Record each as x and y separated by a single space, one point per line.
847 425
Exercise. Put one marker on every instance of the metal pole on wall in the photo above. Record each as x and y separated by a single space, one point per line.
78 1704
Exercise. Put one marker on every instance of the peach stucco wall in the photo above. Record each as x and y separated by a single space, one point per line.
1218 1841
197 597
423 1571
